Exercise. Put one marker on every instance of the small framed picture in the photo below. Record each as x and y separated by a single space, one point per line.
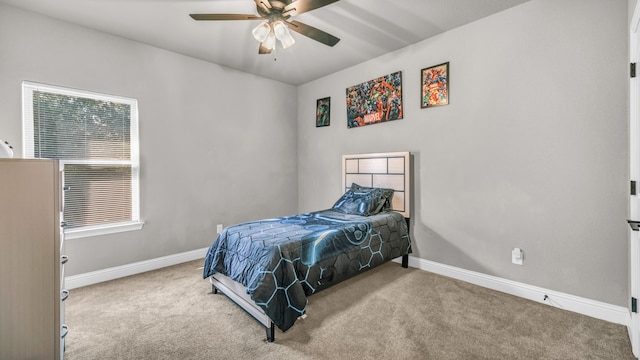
323 112
435 86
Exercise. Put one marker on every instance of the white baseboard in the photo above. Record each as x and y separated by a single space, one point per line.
596 309
94 277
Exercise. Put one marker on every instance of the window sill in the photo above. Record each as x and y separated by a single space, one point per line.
102 230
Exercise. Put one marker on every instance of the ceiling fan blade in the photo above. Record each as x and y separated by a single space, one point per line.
302 6
263 50
225 17
315 34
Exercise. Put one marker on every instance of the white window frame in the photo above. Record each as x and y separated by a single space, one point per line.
28 150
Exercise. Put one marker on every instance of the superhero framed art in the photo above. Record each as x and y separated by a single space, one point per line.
434 86
375 101
323 112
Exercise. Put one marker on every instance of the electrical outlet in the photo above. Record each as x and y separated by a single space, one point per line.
517 255
219 228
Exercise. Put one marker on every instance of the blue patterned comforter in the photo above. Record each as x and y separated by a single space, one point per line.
282 261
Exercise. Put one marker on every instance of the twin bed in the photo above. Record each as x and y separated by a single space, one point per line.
270 267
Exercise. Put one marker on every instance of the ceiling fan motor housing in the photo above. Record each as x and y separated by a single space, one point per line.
274 10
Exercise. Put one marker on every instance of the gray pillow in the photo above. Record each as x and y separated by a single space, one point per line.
386 193
363 201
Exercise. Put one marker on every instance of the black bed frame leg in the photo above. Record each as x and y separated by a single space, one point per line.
271 333
214 289
405 261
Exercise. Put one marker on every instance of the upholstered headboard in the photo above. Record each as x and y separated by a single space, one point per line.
385 170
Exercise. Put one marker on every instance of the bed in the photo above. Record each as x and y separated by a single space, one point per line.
270 267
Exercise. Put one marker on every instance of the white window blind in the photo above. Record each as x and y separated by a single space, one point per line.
95 137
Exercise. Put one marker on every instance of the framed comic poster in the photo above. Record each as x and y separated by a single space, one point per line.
435 86
323 112
375 101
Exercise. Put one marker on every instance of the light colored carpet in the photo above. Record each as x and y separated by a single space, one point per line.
386 313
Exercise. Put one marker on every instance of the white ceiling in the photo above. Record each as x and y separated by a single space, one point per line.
367 29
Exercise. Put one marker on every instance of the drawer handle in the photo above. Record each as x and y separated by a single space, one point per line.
65 331
64 259
64 294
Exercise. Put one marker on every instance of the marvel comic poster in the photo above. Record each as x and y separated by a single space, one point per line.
375 101
435 86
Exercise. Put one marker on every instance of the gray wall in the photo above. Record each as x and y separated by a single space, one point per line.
532 151
209 152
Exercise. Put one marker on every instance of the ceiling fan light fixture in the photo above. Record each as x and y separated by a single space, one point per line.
280 29
270 41
262 31
287 40
282 33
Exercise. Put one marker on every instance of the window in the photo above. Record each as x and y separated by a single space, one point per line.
95 137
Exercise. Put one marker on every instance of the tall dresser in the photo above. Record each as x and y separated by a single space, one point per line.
32 290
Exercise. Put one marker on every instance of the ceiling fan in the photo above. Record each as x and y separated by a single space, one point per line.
275 15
